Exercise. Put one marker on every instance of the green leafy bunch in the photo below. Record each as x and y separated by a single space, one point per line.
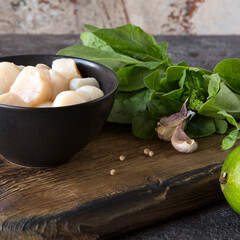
214 96
151 87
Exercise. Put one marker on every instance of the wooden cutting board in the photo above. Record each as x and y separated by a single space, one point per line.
82 200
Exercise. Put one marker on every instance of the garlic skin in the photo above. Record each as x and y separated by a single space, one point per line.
167 125
165 132
181 142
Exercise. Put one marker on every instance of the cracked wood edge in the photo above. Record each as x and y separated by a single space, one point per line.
85 222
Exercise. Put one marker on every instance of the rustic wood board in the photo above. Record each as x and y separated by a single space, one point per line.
81 200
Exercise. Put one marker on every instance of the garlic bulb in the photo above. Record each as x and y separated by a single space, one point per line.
181 142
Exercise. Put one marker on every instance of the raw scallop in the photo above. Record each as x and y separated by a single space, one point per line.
33 85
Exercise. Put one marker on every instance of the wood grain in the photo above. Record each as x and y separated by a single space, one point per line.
81 198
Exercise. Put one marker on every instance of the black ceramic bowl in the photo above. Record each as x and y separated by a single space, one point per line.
43 137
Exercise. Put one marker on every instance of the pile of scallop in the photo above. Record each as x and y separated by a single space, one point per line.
42 86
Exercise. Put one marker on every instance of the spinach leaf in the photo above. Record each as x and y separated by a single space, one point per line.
160 107
174 73
163 48
175 94
90 28
131 77
113 60
214 85
127 104
230 140
229 69
229 118
221 126
225 101
158 83
182 64
200 126
133 41
151 65
200 70
153 80
143 125
91 40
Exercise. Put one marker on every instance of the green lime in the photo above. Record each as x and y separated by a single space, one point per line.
230 179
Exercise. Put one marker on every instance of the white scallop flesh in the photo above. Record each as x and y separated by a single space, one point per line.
94 92
21 67
58 84
45 104
8 74
33 85
12 99
79 82
84 94
67 98
42 65
66 67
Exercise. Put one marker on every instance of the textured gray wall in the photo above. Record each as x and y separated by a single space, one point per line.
154 16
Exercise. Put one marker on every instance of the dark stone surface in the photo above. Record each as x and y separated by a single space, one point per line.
202 51
217 221
12 44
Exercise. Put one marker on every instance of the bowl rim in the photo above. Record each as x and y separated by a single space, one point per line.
68 106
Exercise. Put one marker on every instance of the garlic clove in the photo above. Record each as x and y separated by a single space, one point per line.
187 113
164 133
183 109
181 142
173 120
166 126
